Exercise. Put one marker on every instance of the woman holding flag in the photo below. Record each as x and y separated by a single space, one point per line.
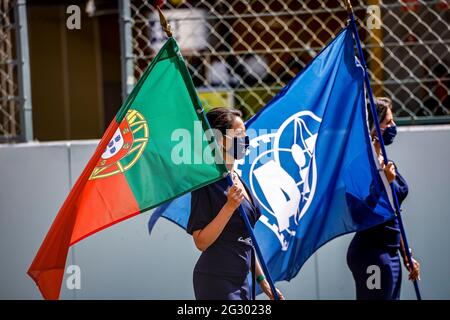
379 245
221 272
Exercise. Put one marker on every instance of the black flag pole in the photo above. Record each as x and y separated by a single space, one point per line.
166 27
378 130
256 246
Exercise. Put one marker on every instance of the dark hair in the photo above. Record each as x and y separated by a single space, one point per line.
382 105
222 118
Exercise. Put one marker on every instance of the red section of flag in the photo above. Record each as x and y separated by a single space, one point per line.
103 202
47 269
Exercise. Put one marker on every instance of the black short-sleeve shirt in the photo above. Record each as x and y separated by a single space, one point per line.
230 254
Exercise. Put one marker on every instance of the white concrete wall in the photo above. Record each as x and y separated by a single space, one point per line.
125 262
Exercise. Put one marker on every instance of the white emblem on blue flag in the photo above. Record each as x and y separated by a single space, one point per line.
282 173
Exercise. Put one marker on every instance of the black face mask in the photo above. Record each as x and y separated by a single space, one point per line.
240 146
389 134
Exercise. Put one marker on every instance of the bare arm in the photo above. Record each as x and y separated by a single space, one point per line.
203 238
414 272
264 284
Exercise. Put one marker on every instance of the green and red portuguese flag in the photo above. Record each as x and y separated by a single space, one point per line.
132 170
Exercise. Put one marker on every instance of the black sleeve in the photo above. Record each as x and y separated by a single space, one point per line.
201 214
401 187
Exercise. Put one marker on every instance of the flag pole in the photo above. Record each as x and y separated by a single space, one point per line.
164 24
166 27
378 131
255 245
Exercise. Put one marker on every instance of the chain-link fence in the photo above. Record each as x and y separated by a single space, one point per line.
241 53
15 96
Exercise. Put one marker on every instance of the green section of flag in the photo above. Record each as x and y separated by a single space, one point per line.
167 101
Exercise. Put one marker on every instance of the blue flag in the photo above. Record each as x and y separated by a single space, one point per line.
311 164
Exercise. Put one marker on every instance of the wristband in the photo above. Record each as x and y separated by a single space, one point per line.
260 278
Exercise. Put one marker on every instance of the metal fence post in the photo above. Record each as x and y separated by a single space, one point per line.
126 47
24 80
